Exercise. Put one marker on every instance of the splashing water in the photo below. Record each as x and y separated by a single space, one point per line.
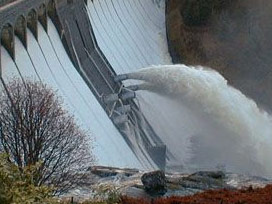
231 128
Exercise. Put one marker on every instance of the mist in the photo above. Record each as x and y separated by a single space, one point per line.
239 42
228 128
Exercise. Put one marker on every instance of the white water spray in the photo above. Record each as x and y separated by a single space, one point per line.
232 129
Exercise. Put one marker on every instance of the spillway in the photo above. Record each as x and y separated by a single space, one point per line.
79 50
79 47
132 35
45 59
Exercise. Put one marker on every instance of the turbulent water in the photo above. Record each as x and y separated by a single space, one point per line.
229 128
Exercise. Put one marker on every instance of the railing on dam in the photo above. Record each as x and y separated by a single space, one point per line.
4 2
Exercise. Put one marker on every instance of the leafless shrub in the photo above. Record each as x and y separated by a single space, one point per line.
36 128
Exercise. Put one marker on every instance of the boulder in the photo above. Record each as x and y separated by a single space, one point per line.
210 174
205 180
104 172
154 183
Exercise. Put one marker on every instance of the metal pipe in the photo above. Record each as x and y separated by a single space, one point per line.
133 87
119 120
127 95
110 98
123 109
120 77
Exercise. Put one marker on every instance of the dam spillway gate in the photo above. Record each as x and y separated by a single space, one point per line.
72 20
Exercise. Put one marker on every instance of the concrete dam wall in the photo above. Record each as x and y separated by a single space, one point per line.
78 47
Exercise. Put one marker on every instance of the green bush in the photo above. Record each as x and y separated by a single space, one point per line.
17 185
107 194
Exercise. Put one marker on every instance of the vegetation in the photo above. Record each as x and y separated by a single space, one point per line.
35 129
17 185
109 194
245 196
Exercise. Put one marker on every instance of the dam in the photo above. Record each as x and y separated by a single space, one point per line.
111 62
77 48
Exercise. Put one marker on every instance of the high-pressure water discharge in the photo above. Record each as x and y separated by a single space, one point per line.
123 77
231 128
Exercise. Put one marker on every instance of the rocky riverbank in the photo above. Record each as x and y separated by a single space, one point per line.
128 182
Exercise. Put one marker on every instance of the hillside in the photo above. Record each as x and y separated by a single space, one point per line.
231 36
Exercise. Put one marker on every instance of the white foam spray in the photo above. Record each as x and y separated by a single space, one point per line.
232 130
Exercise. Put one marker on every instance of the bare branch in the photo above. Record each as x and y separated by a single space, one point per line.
35 128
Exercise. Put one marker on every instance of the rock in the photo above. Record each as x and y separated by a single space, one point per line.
104 172
154 183
205 180
133 183
134 192
210 174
